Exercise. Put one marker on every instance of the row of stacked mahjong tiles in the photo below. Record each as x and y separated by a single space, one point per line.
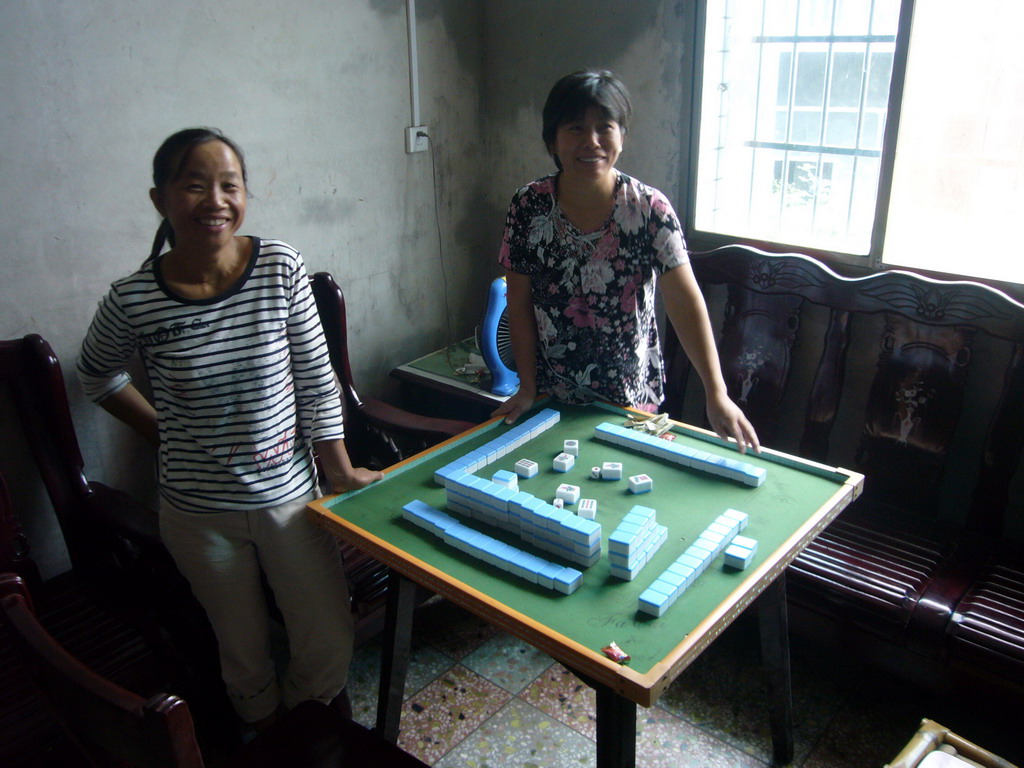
493 551
721 536
568 536
685 456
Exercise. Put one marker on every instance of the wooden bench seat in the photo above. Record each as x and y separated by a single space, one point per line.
919 384
988 623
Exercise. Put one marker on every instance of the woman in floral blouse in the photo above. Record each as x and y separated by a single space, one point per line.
583 250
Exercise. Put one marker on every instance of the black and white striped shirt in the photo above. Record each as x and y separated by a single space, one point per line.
242 382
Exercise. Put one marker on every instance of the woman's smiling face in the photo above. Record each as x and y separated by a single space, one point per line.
589 146
205 202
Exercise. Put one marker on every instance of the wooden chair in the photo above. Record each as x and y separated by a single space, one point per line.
113 541
123 605
113 726
376 433
103 528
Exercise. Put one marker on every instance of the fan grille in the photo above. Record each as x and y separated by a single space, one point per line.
504 342
502 339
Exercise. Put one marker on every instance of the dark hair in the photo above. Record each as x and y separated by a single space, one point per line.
574 94
168 162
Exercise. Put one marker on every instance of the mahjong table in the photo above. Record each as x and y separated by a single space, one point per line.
793 501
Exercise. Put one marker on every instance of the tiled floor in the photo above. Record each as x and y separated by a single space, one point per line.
478 698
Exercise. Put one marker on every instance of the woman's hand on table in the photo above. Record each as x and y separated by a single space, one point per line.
516 405
358 477
727 420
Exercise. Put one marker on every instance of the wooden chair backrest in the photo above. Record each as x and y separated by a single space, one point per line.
31 376
911 377
330 304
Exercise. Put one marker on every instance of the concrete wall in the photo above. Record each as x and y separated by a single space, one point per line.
318 96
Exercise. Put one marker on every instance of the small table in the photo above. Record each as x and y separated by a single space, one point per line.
431 386
797 500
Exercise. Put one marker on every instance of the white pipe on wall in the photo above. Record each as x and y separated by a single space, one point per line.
414 77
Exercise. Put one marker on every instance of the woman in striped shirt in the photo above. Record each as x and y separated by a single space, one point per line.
242 395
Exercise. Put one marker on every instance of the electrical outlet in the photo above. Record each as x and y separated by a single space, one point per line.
416 139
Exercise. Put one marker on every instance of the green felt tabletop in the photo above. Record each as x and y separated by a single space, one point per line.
604 608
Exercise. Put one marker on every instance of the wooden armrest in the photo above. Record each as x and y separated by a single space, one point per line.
391 419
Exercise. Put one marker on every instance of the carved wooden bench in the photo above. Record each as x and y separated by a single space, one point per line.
919 384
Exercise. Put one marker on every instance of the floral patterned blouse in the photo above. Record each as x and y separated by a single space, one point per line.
593 293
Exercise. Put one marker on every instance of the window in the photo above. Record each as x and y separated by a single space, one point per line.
794 100
884 132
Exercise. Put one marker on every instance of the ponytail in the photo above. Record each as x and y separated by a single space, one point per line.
164 234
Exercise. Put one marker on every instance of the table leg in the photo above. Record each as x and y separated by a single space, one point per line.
395 654
774 625
616 729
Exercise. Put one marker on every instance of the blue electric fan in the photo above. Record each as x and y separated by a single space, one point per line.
495 341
